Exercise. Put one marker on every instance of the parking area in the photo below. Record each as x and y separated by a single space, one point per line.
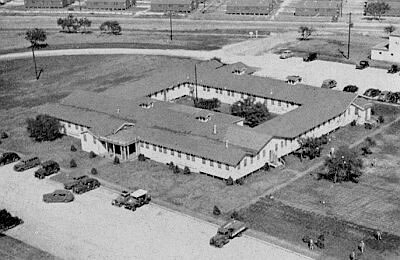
90 228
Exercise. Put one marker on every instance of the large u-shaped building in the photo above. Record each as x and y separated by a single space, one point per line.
141 117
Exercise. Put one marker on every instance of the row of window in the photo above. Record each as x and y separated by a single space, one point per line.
76 127
189 157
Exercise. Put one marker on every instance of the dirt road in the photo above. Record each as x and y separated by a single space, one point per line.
90 228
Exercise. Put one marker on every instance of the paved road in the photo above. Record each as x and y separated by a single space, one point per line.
90 228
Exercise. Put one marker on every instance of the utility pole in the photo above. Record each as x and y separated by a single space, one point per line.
170 24
195 79
348 40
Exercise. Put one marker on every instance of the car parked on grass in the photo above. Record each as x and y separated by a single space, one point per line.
48 168
8 157
310 57
350 88
393 69
26 164
329 83
58 196
362 65
286 54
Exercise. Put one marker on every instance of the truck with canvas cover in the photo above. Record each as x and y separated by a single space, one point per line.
228 231
141 196
125 200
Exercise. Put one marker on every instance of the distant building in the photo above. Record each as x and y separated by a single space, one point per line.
318 8
250 7
109 4
387 51
46 3
179 6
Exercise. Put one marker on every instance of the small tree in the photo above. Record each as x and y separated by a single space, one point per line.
93 171
377 9
344 165
112 27
186 170
43 128
4 135
116 160
310 147
92 154
305 32
381 119
240 181
370 141
70 22
36 37
253 113
141 158
176 169
209 104
365 150
73 148
72 164
229 181
171 166
389 29
216 211
85 23
235 215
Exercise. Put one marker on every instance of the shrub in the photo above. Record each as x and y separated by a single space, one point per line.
73 164
365 150
266 167
112 27
216 211
93 171
92 154
353 123
370 141
171 166
141 158
186 170
176 169
43 128
73 148
368 126
116 160
240 181
235 215
381 119
3 135
229 181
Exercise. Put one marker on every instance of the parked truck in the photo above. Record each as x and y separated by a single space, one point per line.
132 200
48 168
227 231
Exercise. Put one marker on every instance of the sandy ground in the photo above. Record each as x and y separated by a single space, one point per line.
256 53
90 228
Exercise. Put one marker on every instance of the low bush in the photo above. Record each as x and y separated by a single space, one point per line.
73 148
353 123
171 166
141 158
116 160
216 211
381 119
92 154
229 181
186 170
93 171
176 169
3 135
370 141
73 164
368 126
240 181
365 150
235 215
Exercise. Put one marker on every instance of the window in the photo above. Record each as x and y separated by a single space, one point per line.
264 153
211 163
258 156
203 160
219 165
154 148
220 91
279 103
160 149
193 158
251 160
208 89
165 150
233 94
94 140
281 144
285 142
356 112
272 101
179 154
242 95
76 127
204 88
216 91
147 146
81 128
84 137
227 167
244 162
172 152
141 145
69 125
349 111
276 147
228 92
238 166
188 157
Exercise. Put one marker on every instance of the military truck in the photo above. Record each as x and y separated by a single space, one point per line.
26 164
227 231
141 196
85 185
132 200
48 168
8 157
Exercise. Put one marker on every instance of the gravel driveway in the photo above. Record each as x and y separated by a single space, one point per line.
90 228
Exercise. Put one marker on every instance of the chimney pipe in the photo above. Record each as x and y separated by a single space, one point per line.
226 143
215 129
117 110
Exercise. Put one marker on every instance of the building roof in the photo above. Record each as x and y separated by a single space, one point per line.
106 1
318 4
171 2
250 2
383 46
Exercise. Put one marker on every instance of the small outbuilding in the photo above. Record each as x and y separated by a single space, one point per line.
179 6
387 51
46 3
109 4
250 7
318 8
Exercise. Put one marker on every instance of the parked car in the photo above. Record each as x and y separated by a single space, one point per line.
329 83
393 69
362 65
86 185
310 57
372 92
8 157
58 196
227 231
69 185
26 164
350 88
48 168
286 54
293 79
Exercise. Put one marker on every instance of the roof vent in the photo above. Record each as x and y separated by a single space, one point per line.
118 110
204 118
147 105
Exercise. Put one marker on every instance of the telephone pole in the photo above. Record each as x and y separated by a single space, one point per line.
170 24
195 79
348 40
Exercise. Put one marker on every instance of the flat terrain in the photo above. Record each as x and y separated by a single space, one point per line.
90 228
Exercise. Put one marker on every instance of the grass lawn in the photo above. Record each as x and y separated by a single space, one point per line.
330 46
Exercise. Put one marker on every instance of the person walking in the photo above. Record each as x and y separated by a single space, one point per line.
353 255
311 244
378 235
361 246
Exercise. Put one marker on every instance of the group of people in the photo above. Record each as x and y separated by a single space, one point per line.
361 245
